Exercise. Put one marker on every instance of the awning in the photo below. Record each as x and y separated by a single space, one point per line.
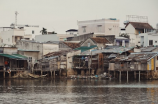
14 56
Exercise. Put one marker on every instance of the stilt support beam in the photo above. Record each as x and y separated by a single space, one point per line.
139 75
120 76
134 74
4 74
127 76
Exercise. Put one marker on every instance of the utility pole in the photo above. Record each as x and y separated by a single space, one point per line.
16 13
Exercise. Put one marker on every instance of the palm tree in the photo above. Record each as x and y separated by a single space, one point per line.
44 31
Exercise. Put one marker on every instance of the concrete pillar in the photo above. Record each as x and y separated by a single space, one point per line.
134 74
120 76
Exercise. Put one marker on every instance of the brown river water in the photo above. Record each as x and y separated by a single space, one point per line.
77 91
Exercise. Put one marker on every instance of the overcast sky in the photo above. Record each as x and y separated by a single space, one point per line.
61 15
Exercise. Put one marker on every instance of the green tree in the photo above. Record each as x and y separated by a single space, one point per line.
54 32
44 31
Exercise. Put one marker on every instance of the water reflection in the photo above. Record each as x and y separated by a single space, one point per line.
78 91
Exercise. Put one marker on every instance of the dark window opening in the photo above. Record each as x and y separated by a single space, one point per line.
150 42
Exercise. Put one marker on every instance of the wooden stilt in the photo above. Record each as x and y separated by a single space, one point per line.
54 73
139 75
127 76
3 74
134 74
51 73
114 74
147 74
60 72
120 76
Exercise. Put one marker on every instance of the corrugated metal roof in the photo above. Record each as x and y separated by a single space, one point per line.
85 48
28 50
140 56
14 56
148 49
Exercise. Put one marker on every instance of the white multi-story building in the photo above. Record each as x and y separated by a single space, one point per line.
109 26
133 29
150 38
10 36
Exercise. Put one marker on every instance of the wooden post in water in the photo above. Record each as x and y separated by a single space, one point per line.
134 74
139 75
147 74
120 76
127 76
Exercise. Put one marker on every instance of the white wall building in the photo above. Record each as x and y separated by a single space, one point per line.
148 39
10 36
46 38
133 29
109 26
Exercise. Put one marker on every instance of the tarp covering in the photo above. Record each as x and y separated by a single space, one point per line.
14 56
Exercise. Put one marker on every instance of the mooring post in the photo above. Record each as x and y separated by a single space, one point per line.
41 72
139 75
127 76
120 76
134 74
147 74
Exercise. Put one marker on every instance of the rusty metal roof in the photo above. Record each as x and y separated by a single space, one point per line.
139 25
140 56
57 53
72 45
100 40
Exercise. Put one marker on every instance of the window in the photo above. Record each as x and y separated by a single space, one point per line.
155 41
99 28
84 29
89 44
33 32
30 59
150 42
